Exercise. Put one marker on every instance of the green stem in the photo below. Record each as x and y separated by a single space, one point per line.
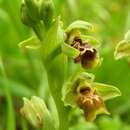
61 109
11 124
24 125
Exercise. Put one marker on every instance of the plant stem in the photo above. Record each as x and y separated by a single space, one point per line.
61 109
11 124
24 125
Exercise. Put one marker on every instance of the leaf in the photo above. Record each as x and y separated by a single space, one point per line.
16 88
106 91
69 50
51 40
55 60
107 123
122 50
79 25
31 43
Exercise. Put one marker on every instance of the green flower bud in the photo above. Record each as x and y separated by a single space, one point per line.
33 9
29 12
36 112
25 18
88 95
47 11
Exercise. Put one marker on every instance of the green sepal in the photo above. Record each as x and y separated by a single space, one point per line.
79 25
69 50
106 91
30 43
122 50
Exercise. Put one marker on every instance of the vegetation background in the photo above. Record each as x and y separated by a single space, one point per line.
22 75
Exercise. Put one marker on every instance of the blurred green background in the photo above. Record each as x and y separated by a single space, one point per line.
111 19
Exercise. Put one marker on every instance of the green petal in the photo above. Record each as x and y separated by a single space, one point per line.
31 43
122 50
79 25
69 51
89 77
127 36
68 94
91 40
106 91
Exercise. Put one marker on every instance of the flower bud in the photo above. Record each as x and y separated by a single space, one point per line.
47 11
35 111
29 12
25 17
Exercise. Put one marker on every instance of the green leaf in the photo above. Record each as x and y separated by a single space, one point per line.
122 50
107 123
79 25
52 40
106 91
69 50
16 88
31 43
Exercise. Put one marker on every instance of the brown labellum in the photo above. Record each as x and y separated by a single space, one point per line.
90 101
87 55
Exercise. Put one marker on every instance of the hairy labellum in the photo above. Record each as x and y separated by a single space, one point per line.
87 55
90 101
